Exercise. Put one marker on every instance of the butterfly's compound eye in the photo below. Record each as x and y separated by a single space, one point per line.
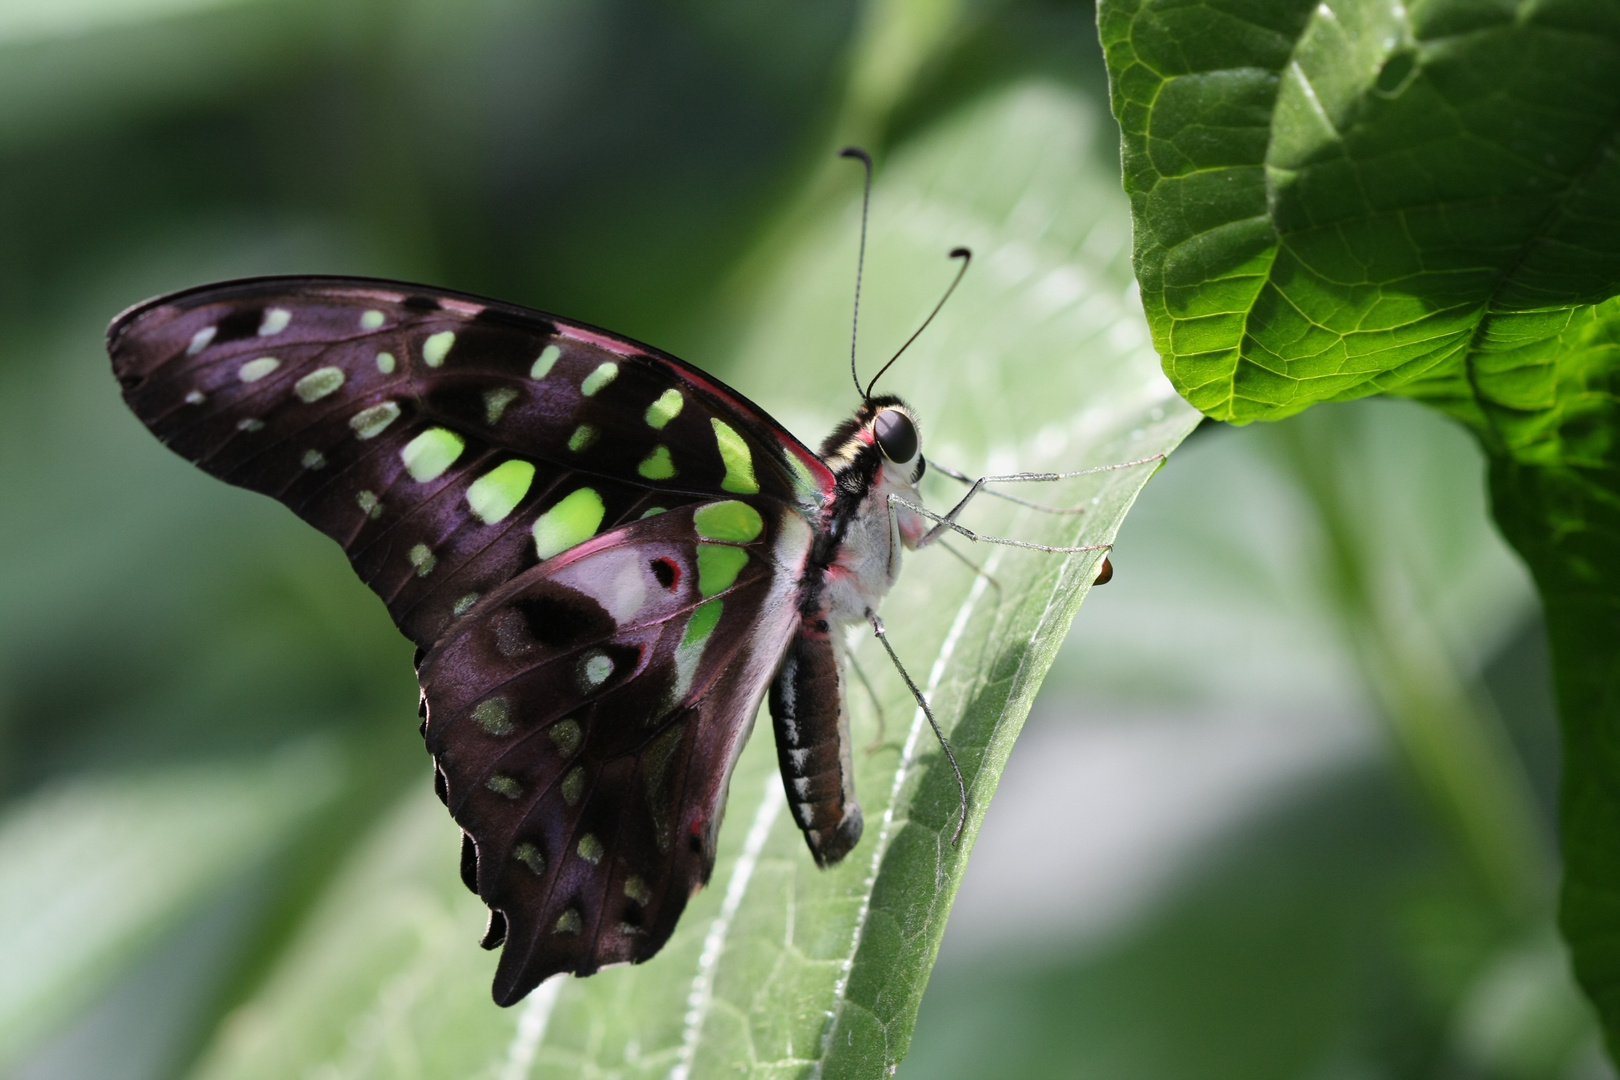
896 435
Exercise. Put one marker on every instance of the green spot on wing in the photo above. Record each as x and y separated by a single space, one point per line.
369 423
494 715
739 460
318 384
530 856
572 521
573 785
254 370
504 786
605 373
544 362
702 623
732 521
427 456
718 567
371 320
495 494
566 735
665 409
657 465
437 347
582 437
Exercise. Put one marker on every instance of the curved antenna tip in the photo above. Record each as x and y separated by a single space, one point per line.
855 152
956 253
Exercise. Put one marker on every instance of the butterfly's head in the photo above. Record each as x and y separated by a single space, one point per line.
883 437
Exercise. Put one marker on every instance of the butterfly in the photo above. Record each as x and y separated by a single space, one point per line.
606 559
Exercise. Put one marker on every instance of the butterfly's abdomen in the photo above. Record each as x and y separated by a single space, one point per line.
812 743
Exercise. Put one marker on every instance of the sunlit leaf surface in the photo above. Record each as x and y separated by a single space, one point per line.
779 969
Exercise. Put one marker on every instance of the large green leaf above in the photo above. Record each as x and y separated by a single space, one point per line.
1336 199
1341 198
779 969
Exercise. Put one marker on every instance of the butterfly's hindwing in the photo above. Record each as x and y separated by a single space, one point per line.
447 443
585 719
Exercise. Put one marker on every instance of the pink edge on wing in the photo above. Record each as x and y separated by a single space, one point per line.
460 307
601 341
376 296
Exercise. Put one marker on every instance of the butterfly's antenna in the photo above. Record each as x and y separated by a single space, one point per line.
860 261
956 253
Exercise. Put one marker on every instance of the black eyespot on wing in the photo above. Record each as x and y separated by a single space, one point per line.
493 315
896 435
561 618
241 323
494 347
666 572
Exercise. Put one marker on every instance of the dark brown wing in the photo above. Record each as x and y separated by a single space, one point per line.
585 719
432 433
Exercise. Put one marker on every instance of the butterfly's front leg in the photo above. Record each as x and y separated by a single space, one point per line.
813 745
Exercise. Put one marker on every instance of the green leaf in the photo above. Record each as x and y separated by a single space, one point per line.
778 968
95 869
1338 199
1346 198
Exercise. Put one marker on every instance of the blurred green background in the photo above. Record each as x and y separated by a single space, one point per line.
1284 808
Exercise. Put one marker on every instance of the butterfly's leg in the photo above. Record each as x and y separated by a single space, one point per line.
871 693
962 477
976 486
947 522
922 703
978 570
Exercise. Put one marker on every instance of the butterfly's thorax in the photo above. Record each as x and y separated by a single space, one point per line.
871 538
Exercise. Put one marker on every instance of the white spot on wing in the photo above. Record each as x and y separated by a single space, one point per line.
196 397
615 578
256 369
275 321
594 669
200 340
422 558
318 384
369 423
495 403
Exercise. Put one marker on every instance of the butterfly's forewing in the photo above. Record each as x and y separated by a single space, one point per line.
585 719
448 443
546 509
